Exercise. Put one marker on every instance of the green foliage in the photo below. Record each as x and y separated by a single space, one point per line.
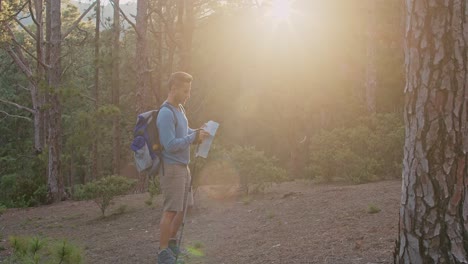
368 151
373 209
78 193
3 209
103 191
22 191
256 170
246 199
154 189
44 250
196 249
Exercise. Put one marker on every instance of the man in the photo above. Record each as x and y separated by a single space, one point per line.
176 138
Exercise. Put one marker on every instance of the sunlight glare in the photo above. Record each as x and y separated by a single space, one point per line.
281 10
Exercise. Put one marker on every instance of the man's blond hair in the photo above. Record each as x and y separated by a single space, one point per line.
179 78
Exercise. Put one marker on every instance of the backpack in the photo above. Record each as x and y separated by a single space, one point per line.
146 145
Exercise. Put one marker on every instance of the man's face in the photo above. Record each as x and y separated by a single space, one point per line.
182 93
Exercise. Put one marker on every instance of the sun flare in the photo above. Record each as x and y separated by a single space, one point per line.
281 10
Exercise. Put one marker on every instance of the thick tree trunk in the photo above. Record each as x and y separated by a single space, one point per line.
55 181
189 27
36 94
97 64
143 92
116 84
371 70
144 98
47 59
185 27
38 119
158 76
434 205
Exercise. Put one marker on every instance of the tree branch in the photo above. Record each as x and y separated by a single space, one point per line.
75 24
24 68
19 58
17 106
30 54
169 32
15 116
32 14
22 87
88 97
125 17
26 29
16 14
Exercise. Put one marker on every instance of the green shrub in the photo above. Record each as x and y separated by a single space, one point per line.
373 209
255 169
196 249
371 150
154 189
78 193
22 191
2 209
103 191
44 250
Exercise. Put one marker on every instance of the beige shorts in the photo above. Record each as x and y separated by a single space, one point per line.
175 185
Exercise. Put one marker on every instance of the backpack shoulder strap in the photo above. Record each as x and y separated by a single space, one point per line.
170 108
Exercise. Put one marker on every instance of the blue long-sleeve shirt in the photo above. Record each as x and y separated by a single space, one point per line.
175 135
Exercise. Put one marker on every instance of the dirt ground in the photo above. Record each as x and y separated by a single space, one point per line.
294 222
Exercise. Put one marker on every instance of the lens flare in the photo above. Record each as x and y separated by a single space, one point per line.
281 10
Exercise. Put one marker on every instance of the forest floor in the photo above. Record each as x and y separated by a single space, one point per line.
293 222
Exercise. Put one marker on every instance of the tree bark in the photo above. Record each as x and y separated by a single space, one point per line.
36 94
55 181
97 64
144 99
186 26
371 70
116 85
433 225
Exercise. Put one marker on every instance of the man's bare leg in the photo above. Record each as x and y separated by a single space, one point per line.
175 225
165 227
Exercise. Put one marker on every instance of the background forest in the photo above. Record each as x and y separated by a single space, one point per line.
313 92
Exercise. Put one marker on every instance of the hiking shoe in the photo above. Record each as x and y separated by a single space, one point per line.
166 256
174 248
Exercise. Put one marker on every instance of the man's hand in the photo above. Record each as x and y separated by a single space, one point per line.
201 135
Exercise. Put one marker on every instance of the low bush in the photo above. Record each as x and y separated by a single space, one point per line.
371 150
103 191
22 191
44 250
256 170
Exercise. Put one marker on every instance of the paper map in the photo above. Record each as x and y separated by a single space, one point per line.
205 146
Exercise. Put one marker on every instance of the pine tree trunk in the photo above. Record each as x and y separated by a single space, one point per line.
143 92
37 95
189 26
185 27
371 70
434 205
55 181
97 64
116 85
158 76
